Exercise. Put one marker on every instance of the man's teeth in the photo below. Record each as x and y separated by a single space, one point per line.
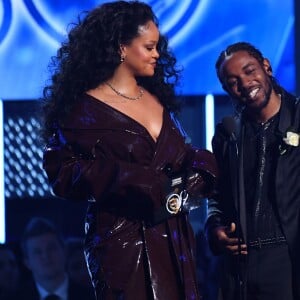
253 93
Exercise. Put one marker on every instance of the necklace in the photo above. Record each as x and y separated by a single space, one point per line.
141 93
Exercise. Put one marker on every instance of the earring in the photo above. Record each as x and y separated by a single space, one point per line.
122 58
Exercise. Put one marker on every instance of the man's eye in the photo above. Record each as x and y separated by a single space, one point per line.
231 83
250 71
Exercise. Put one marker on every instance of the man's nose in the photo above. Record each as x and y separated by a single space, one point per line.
244 83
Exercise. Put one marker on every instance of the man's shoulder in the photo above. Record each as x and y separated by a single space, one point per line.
290 111
229 126
27 290
290 99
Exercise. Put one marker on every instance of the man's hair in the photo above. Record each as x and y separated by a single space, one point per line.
240 46
252 51
36 227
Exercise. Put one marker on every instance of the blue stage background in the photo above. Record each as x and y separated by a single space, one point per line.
31 31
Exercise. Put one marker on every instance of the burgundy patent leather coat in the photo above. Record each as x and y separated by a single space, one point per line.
104 156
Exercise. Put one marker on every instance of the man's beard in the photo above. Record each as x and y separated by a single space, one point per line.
264 102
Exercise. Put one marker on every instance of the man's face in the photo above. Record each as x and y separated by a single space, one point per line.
45 256
246 80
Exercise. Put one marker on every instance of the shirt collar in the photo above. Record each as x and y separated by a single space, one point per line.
61 290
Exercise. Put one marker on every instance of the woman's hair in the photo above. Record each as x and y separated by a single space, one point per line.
252 51
91 54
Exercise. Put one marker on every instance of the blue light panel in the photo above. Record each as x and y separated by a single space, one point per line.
31 31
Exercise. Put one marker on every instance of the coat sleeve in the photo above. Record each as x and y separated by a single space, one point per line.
81 176
217 203
197 166
203 162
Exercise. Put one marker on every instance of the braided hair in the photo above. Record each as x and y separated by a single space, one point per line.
252 51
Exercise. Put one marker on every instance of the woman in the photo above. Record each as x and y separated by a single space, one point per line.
112 140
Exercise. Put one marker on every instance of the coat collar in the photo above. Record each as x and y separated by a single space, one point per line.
286 113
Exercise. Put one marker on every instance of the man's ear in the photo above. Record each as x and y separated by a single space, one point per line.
267 67
225 88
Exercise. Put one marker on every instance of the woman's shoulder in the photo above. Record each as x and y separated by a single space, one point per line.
86 112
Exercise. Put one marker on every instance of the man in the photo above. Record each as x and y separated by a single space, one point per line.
9 272
254 220
44 255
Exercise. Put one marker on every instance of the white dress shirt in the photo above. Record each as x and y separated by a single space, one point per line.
61 291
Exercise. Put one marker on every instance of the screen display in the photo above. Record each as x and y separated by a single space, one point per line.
32 30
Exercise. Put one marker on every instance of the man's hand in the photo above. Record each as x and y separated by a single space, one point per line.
224 240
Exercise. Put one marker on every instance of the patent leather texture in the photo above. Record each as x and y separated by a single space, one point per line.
103 156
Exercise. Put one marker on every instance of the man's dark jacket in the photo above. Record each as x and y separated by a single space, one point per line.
75 292
229 205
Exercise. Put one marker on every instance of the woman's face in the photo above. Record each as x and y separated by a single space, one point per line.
141 54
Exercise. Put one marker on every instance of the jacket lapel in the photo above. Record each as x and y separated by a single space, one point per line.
237 177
